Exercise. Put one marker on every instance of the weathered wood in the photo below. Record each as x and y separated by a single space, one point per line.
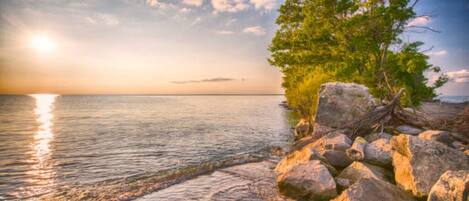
453 117
357 151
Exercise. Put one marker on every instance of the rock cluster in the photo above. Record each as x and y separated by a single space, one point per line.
407 163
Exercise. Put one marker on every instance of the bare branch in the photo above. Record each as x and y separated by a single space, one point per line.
424 28
427 50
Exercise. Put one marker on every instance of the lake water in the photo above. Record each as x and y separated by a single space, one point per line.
453 99
48 143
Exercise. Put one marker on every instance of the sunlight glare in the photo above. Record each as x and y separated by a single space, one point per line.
43 111
43 43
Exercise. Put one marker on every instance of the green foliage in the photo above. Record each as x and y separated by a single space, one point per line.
351 41
303 97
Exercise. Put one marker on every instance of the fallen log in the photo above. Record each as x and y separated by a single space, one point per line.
453 117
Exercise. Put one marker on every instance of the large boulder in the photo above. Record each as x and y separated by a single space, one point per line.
452 185
438 136
419 163
367 189
379 152
358 170
342 104
310 180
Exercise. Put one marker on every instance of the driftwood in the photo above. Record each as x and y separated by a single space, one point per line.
357 151
431 115
375 118
438 116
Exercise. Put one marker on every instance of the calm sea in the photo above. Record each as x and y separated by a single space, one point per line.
49 142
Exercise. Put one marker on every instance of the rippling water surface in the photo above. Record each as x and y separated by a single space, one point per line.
49 141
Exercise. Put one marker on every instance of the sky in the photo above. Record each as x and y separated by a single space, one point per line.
177 46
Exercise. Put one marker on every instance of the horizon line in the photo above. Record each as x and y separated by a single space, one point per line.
149 94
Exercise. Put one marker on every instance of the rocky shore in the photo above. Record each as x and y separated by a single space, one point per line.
391 162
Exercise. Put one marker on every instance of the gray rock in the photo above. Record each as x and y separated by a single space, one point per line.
320 130
409 130
332 147
309 180
419 163
358 170
379 152
342 104
374 136
438 136
452 185
336 158
342 183
368 189
334 141
293 159
459 146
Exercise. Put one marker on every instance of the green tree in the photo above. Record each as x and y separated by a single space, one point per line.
352 41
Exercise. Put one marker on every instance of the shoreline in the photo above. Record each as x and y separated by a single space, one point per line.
138 186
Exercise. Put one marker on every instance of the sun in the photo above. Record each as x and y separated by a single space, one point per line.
43 43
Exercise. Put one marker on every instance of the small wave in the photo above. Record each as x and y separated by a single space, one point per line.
138 185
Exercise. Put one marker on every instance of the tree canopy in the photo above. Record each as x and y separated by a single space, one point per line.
351 41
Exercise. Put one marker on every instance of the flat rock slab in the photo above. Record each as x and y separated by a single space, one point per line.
419 163
251 182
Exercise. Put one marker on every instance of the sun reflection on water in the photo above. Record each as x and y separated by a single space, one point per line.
43 111
42 172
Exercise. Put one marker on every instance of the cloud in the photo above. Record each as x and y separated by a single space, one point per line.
106 19
193 2
90 20
152 3
224 32
158 4
437 53
109 20
231 6
461 76
255 30
184 10
230 22
196 21
217 79
419 21
264 4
